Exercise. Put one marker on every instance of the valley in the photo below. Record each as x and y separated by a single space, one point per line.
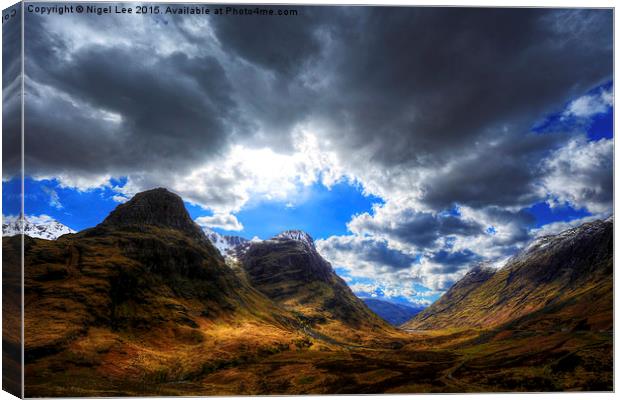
146 304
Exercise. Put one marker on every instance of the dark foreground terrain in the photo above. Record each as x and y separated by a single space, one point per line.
429 362
143 304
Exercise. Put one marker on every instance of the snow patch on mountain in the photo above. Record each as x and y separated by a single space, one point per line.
41 227
228 246
298 235
567 238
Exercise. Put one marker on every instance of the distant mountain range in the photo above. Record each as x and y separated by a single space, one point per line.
42 227
394 313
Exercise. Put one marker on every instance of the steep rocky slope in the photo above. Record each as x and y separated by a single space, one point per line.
142 297
566 278
153 208
289 270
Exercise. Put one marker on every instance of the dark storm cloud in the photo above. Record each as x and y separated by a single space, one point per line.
282 45
412 87
452 262
417 229
423 86
504 173
174 110
430 82
373 252
517 225
11 87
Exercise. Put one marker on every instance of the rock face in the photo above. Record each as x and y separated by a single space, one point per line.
289 270
285 260
156 207
568 274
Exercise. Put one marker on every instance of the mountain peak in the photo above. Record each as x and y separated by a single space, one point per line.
41 227
570 238
158 207
297 235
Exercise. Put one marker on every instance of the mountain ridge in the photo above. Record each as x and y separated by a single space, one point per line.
41 227
549 271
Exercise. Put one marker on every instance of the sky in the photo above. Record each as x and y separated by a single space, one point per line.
411 143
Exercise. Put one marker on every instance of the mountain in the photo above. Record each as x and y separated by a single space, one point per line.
289 270
140 297
297 235
563 280
393 313
227 245
42 227
144 304
154 208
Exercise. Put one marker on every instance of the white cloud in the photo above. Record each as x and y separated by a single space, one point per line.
364 256
119 198
391 291
227 183
590 105
80 182
398 244
581 174
54 200
40 219
227 222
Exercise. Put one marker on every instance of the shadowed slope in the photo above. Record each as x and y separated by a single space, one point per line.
289 270
131 301
569 271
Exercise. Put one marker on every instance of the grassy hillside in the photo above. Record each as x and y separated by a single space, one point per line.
295 276
132 307
138 307
553 273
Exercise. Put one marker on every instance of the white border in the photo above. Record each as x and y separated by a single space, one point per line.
477 3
